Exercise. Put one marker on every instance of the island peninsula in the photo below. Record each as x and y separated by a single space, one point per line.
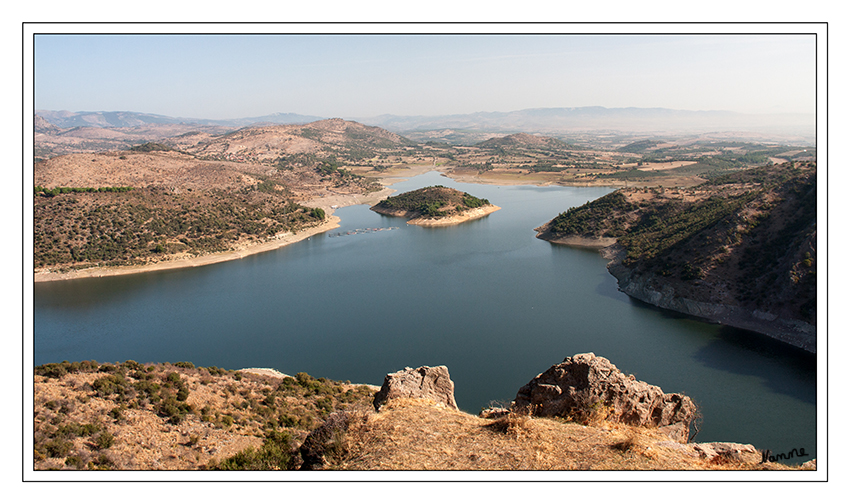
435 206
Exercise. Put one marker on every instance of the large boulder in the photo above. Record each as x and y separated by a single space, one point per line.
424 382
585 383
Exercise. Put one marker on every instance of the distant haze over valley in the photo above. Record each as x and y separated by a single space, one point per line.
462 128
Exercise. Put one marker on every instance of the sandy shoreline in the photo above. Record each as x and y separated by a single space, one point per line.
475 213
579 241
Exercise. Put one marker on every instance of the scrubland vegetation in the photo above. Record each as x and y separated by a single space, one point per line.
82 228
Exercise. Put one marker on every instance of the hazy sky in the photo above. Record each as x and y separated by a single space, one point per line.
353 76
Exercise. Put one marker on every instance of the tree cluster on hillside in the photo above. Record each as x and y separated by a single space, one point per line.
601 217
43 191
150 147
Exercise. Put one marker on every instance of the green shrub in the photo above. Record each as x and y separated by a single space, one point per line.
116 413
101 463
133 365
109 385
173 409
56 448
274 455
74 461
73 430
107 368
103 440
52 370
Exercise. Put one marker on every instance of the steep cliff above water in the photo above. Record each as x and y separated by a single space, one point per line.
740 249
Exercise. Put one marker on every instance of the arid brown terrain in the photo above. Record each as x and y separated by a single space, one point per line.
129 416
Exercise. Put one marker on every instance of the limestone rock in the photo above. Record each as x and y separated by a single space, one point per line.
585 383
716 452
421 383
730 451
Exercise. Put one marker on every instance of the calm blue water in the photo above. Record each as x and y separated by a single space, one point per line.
485 298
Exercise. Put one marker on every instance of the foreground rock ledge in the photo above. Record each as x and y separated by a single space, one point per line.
432 383
585 384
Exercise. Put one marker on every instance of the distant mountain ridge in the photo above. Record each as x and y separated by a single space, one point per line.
536 120
124 119
630 119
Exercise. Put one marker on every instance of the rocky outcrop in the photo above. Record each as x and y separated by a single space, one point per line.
584 385
432 383
650 289
729 451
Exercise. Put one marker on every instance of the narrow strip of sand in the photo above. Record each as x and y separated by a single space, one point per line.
472 214
580 241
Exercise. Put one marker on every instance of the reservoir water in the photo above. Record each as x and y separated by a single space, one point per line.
485 298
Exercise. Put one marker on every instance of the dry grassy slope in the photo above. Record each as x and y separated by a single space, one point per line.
322 138
231 411
142 169
414 434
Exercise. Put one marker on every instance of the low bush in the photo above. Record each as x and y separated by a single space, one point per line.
275 454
